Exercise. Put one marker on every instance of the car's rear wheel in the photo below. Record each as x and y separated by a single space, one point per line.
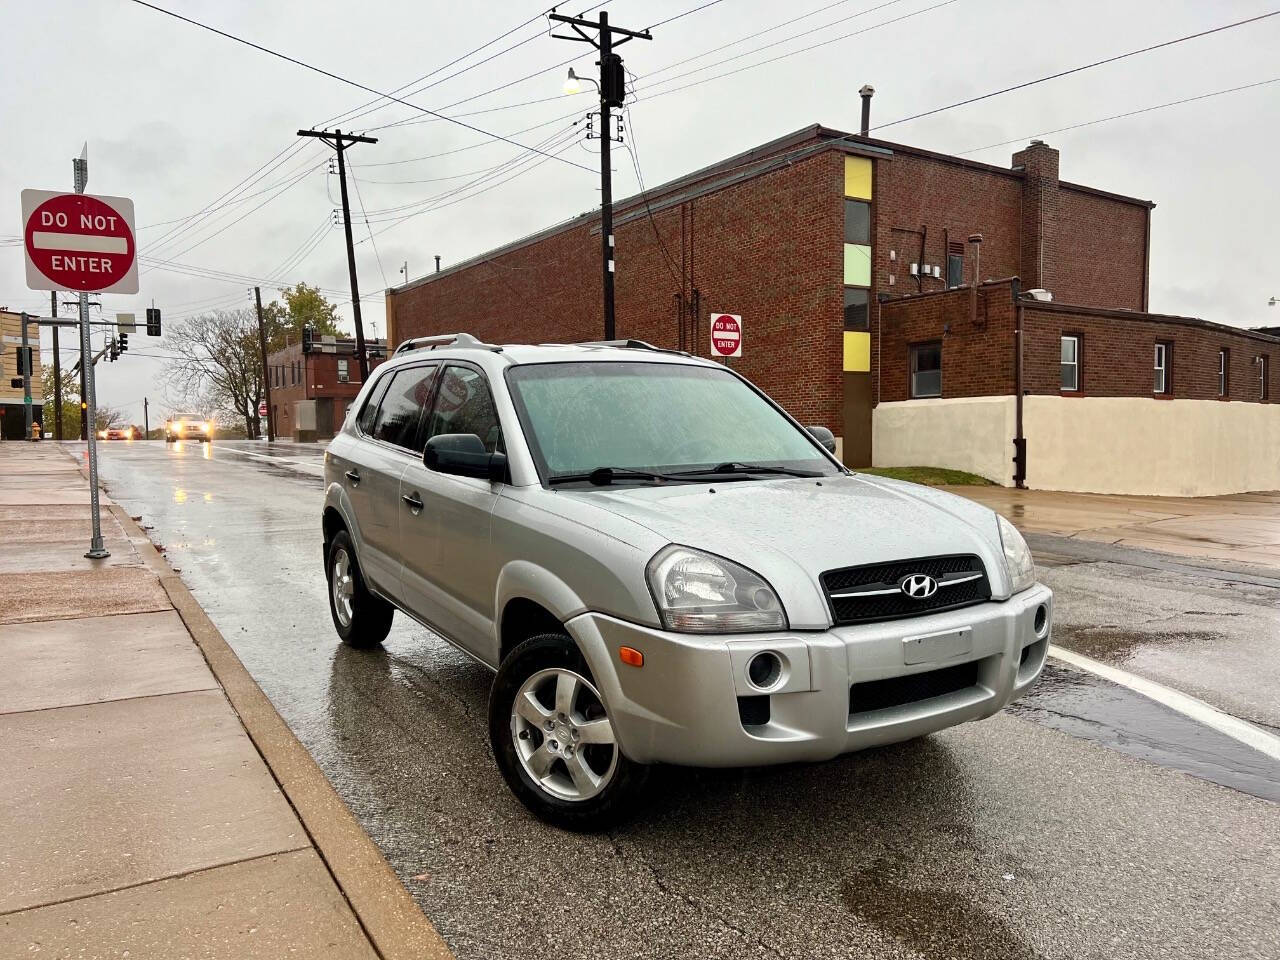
361 618
554 740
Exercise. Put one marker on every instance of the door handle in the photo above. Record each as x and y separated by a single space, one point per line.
414 503
354 477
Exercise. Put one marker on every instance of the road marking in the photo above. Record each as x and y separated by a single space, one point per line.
281 461
1197 710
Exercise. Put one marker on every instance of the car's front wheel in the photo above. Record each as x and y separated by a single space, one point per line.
554 740
361 618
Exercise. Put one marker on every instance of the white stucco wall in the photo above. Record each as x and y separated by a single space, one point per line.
971 433
1126 445
1140 445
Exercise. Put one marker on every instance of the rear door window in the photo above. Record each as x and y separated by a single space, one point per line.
369 412
400 413
464 404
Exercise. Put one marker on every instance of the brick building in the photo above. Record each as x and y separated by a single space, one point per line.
312 388
844 254
12 416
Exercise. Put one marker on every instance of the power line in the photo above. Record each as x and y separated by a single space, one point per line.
341 79
360 200
1120 116
644 195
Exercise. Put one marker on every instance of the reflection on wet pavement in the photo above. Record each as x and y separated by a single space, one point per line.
1086 706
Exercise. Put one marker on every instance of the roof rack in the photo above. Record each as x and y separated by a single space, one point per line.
632 345
443 340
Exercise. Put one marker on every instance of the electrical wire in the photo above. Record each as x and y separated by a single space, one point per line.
644 196
1120 116
373 243
341 79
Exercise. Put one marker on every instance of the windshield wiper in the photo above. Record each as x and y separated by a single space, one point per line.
737 467
603 476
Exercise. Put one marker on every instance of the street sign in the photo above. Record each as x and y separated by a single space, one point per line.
262 408
126 323
726 335
78 241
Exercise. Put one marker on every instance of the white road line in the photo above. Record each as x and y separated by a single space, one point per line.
281 461
1197 710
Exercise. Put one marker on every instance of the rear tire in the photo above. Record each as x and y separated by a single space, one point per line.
361 618
554 741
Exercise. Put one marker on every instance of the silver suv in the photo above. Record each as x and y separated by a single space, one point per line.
661 565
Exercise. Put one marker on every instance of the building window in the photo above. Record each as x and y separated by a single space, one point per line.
955 264
855 308
1264 366
857 222
1071 364
1224 364
344 374
1163 368
926 370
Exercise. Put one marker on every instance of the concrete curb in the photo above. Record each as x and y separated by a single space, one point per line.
394 924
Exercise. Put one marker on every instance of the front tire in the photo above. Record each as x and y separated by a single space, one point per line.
361 618
554 741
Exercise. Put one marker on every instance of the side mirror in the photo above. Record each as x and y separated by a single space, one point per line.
464 455
824 437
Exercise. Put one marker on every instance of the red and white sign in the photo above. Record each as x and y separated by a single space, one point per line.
262 408
726 335
79 241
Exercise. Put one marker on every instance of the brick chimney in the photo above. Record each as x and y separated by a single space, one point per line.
1039 164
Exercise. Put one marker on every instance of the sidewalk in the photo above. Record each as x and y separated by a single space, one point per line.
152 802
1239 528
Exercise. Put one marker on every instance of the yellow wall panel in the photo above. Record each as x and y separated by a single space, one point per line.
857 177
857 265
857 352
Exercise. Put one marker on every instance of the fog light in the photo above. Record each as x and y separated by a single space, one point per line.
764 670
1042 620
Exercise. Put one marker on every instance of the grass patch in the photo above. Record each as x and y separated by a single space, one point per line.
930 476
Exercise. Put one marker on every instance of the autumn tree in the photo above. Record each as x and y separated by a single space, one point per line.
216 365
300 306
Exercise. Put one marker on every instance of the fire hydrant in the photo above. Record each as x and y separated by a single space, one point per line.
35 429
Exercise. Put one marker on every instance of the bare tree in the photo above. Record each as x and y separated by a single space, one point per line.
217 365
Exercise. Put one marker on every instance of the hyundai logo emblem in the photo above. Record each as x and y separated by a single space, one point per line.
918 586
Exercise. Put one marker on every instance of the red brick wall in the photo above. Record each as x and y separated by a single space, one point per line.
1117 350
768 248
1101 252
319 379
977 351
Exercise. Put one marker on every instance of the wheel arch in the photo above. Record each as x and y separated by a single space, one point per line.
530 600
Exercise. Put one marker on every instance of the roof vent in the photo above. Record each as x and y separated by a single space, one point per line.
1040 294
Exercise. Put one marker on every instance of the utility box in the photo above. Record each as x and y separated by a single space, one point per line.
304 421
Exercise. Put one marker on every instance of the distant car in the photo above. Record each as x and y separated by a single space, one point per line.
118 433
187 426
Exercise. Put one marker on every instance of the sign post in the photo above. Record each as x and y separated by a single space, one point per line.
726 335
77 241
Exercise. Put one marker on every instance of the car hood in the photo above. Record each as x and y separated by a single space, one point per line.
791 530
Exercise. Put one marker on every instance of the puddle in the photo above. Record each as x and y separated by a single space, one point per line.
1114 644
932 921
1094 709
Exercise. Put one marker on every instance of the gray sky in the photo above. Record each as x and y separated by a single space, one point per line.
176 117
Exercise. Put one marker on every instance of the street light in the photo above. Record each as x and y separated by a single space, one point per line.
1272 302
573 83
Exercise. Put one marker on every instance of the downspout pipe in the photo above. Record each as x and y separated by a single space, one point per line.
1019 440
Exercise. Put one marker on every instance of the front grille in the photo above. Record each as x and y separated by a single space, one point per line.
896 691
875 592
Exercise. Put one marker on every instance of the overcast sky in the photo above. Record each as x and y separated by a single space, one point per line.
176 118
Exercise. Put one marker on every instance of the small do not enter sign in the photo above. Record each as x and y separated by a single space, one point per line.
726 335
79 241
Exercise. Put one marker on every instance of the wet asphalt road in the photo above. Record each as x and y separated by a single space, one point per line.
1067 827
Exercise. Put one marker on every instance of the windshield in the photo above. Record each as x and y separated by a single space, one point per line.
186 416
653 417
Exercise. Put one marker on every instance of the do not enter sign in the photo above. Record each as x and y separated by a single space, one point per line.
726 335
78 241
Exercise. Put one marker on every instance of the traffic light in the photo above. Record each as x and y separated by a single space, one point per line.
308 336
25 361
124 342
153 321
113 353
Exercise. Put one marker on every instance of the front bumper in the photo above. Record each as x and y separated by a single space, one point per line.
684 705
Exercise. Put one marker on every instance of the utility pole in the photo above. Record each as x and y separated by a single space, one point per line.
266 373
613 91
26 380
89 424
340 141
57 369
146 421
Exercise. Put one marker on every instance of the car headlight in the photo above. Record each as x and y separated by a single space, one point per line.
1017 556
698 592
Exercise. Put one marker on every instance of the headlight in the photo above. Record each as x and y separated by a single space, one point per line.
1017 556
698 592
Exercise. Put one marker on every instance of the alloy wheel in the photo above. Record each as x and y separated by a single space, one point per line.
562 734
